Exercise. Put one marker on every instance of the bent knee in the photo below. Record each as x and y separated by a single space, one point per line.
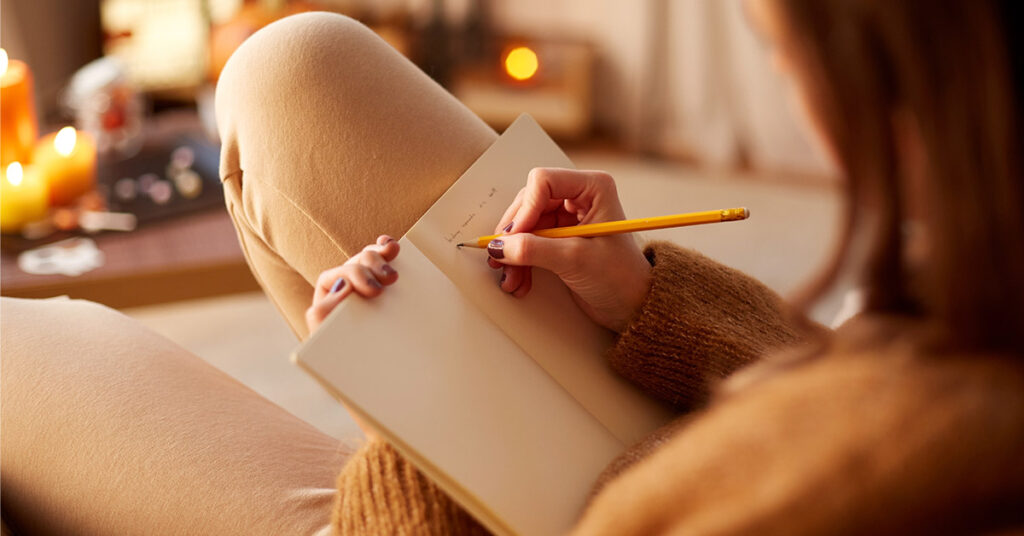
293 45
293 84
274 65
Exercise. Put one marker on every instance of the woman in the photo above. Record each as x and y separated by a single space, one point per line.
908 419
911 419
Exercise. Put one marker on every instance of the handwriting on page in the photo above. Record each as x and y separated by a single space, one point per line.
458 233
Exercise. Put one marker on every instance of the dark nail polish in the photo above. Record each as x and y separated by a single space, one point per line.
375 284
338 285
387 270
508 227
501 281
496 249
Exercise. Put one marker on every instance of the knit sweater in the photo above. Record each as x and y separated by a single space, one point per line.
878 438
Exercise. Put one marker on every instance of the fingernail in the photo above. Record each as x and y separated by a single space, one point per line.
375 284
496 249
387 270
389 240
338 285
502 280
508 227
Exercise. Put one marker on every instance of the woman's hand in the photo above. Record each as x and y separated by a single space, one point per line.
609 276
365 274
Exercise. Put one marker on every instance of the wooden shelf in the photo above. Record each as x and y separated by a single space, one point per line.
187 257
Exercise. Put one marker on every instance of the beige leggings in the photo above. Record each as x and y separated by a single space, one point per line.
329 139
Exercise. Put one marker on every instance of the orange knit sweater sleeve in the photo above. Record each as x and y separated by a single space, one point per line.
700 321
379 492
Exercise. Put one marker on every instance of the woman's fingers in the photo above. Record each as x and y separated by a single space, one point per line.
527 283
516 280
366 273
323 306
552 208
545 185
325 281
376 256
557 255
506 219
608 276
545 191
363 280
334 285
511 278
552 198
555 218
379 266
386 246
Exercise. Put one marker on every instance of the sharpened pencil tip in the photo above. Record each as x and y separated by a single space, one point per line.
460 244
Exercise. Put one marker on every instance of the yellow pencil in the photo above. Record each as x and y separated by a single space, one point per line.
629 226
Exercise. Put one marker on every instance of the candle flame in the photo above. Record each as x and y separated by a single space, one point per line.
64 142
14 173
521 63
3 61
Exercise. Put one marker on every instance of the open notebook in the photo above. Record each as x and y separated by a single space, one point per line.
507 404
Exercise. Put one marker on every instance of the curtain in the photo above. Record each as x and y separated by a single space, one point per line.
721 101
677 78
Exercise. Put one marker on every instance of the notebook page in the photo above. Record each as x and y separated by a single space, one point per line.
547 324
462 401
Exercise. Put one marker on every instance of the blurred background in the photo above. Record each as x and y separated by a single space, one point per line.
110 186
677 78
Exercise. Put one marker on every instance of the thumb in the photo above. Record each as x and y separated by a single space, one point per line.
556 255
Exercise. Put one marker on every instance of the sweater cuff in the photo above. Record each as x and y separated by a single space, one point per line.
700 322
381 493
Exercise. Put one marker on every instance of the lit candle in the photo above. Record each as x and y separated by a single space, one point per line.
23 197
521 63
18 127
67 160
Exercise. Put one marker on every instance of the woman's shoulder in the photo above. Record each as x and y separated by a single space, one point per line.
902 377
882 351
934 382
901 353
884 440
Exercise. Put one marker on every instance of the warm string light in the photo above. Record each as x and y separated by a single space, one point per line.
521 63
14 173
64 142
3 61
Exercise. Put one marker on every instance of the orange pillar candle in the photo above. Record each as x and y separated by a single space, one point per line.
23 197
67 160
18 126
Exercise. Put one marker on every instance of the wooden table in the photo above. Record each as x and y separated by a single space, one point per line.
191 256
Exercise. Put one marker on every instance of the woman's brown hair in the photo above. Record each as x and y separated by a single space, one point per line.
949 65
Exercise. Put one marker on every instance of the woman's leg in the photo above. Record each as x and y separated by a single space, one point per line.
109 428
330 138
